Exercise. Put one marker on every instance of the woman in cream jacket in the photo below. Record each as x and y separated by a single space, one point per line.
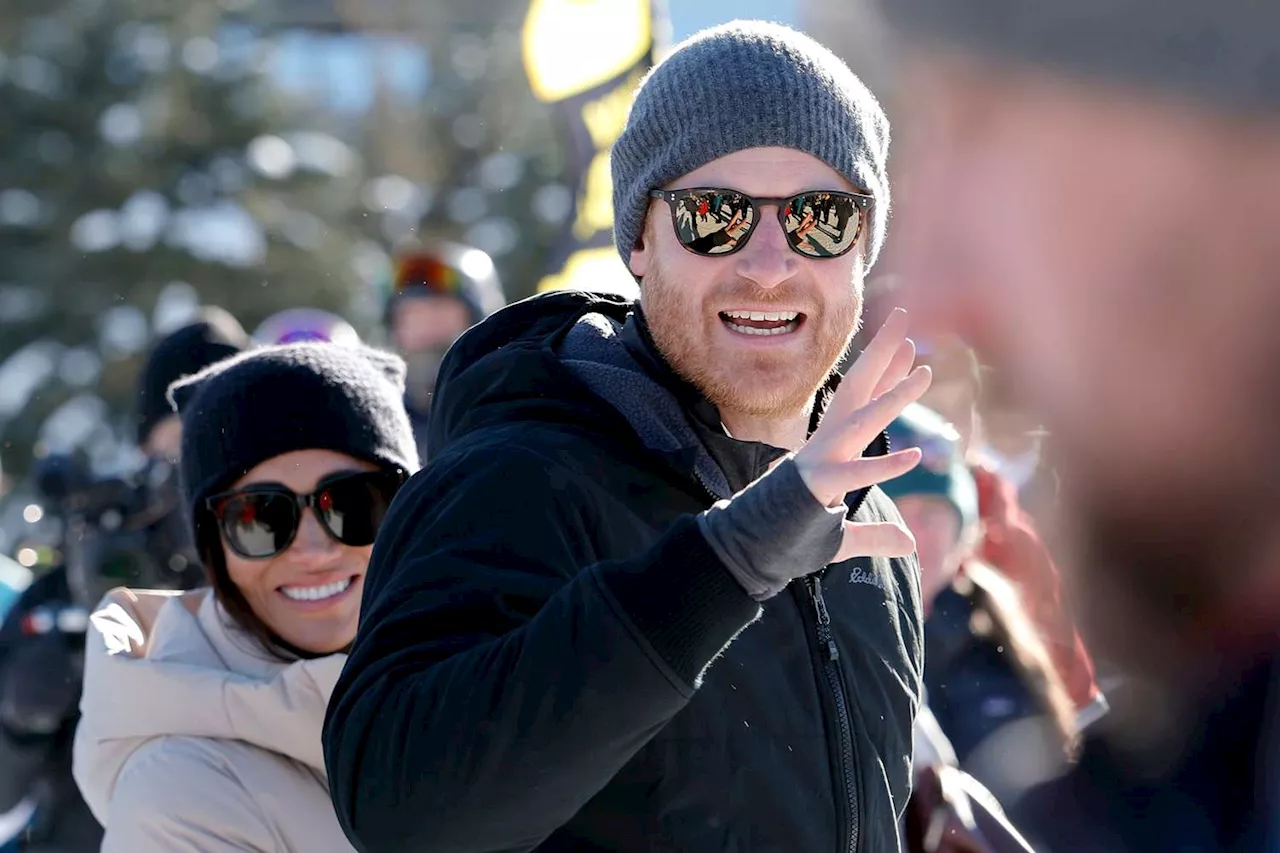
202 711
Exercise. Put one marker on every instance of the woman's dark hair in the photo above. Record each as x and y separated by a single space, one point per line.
209 546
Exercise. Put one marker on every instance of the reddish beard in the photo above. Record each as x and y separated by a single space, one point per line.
772 385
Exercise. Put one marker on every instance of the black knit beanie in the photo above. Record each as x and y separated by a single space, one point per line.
747 84
275 400
215 335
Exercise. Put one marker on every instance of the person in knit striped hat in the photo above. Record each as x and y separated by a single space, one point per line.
438 290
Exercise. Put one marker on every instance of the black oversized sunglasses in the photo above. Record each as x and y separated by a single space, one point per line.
713 221
261 520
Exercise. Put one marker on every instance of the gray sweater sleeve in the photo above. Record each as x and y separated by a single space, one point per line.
773 531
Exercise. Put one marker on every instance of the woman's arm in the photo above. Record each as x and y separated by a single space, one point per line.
178 795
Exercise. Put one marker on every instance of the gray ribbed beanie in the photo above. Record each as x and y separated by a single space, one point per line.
1223 52
743 85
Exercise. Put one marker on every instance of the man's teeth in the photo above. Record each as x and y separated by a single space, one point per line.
786 316
756 330
316 593
788 322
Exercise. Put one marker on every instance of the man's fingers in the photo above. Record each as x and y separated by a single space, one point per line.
851 437
876 539
845 477
903 360
863 377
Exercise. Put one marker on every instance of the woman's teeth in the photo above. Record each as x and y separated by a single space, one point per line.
316 593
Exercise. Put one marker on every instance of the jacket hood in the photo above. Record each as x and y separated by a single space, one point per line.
161 664
507 369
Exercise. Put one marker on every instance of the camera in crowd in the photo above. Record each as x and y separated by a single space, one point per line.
117 531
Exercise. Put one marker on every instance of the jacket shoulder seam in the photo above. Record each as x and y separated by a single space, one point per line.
160 757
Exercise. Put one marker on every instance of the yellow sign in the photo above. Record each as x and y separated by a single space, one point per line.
597 270
607 115
588 58
573 46
604 119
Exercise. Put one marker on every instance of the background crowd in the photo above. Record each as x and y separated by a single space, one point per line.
187 188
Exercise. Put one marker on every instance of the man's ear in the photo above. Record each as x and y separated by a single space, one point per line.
642 254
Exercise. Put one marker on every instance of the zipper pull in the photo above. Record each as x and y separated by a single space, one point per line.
819 604
824 618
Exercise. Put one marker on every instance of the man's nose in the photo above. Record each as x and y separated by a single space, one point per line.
767 260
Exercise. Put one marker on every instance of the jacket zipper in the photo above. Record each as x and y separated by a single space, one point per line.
831 669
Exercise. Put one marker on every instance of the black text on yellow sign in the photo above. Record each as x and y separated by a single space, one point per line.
588 57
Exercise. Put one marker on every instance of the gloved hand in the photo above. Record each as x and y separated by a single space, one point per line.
40 686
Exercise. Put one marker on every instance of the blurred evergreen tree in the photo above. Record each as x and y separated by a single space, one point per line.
147 163
473 156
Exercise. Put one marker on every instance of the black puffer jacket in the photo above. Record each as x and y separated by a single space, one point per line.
552 657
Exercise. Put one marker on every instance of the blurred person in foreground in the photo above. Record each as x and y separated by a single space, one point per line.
990 680
1010 540
438 291
1118 169
42 640
1009 537
646 595
995 433
202 711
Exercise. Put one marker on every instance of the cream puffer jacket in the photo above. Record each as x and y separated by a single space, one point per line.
193 739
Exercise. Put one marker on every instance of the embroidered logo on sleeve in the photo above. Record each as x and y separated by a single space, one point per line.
860 575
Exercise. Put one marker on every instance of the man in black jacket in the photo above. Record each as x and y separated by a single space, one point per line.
641 599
